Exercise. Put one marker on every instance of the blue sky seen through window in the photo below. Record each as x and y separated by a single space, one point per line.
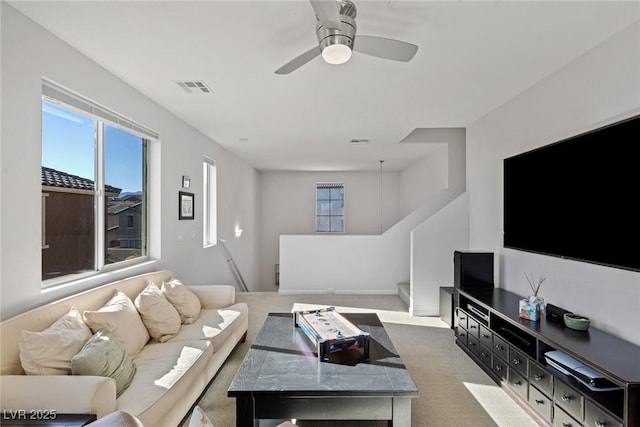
68 145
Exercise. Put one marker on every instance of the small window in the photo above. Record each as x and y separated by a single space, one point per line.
209 205
330 208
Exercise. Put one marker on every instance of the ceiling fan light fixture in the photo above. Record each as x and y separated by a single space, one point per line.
336 54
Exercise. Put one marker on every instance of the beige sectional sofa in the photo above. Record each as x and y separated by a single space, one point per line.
169 377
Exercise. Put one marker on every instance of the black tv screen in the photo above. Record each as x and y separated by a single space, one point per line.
578 198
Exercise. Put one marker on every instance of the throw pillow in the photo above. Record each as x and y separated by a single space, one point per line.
120 316
199 418
158 315
103 356
49 352
185 301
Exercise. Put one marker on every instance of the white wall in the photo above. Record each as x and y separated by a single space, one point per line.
432 245
287 206
29 53
423 179
597 88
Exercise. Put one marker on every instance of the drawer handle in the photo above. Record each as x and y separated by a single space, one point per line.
485 336
498 368
483 354
599 423
463 318
566 424
537 377
472 344
518 382
540 402
565 398
516 361
472 326
499 347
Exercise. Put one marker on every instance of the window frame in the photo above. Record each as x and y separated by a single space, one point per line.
69 100
209 203
344 216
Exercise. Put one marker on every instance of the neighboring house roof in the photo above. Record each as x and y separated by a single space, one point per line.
55 178
121 207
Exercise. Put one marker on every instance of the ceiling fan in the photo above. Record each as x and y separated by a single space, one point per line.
336 31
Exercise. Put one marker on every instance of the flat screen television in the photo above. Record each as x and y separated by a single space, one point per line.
578 198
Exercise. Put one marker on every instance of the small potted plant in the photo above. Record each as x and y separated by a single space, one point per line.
531 306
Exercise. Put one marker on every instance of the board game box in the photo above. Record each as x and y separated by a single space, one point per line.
329 332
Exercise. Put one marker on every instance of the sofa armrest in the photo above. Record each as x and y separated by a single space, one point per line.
65 394
215 296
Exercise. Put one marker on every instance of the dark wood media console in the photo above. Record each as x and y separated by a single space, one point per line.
512 351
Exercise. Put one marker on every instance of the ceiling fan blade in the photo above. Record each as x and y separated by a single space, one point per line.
385 48
299 61
328 12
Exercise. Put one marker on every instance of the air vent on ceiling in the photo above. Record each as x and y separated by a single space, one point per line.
194 86
359 141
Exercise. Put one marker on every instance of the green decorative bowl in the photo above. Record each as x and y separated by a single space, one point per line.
577 322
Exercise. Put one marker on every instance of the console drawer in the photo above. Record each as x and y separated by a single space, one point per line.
562 419
540 402
540 378
461 318
461 335
485 355
569 399
485 336
473 344
473 327
596 417
518 383
518 361
499 367
500 347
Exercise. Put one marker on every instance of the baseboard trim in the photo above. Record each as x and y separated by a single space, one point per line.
425 312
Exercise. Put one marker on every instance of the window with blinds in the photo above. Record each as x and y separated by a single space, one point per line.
330 208
94 187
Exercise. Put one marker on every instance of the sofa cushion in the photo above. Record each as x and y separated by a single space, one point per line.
159 316
213 325
49 352
185 301
120 316
102 356
166 372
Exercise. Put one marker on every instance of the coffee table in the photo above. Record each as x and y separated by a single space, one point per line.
282 378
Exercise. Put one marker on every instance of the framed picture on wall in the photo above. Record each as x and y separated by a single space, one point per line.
185 205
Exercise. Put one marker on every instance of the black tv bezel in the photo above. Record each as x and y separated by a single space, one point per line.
546 146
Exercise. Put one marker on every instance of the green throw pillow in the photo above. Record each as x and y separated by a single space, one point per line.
103 356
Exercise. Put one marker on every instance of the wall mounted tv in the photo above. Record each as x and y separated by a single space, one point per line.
578 198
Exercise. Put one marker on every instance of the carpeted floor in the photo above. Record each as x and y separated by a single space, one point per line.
454 391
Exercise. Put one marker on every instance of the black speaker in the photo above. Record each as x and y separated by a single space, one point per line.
555 314
472 269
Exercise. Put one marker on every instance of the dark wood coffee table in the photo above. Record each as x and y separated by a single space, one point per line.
281 378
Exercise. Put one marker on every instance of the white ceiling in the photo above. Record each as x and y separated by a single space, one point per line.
473 56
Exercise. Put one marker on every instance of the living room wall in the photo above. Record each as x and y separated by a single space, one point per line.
287 206
29 53
597 88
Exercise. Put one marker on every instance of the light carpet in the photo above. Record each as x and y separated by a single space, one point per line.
454 391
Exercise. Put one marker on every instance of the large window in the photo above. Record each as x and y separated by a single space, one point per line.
329 208
209 204
94 188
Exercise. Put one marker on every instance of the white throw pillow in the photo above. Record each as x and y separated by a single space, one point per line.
120 316
185 301
199 418
49 352
158 314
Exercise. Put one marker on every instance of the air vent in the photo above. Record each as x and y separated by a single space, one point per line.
359 142
194 86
